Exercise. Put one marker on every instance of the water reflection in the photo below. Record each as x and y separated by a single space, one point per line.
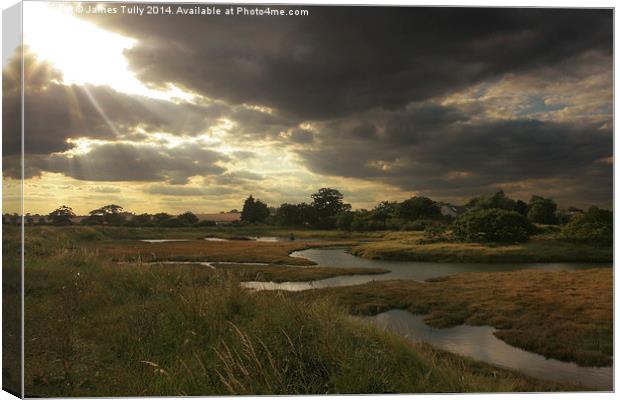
478 342
412 270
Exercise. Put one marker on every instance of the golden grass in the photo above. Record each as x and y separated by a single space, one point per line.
279 273
536 250
202 250
564 315
96 328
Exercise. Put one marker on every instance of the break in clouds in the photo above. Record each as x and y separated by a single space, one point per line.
444 102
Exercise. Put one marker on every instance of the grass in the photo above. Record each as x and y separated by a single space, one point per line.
11 313
96 328
201 250
225 232
563 315
279 273
538 249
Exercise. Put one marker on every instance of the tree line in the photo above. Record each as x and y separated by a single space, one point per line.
486 218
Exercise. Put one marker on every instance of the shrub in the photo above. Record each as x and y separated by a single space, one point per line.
492 225
171 223
542 211
419 225
344 220
206 223
188 218
594 227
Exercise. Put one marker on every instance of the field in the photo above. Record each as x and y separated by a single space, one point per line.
539 249
96 326
564 315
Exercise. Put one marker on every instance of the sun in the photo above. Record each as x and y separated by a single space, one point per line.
83 52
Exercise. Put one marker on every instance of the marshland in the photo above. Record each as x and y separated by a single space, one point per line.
404 300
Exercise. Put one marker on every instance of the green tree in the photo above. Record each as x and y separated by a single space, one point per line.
497 200
327 203
290 215
159 218
542 211
254 210
344 220
596 226
521 207
491 225
418 208
188 218
140 219
383 211
106 215
62 215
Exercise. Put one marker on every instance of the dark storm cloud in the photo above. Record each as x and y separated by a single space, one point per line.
340 60
130 162
301 136
461 158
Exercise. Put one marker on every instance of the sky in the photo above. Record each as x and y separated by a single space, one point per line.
193 112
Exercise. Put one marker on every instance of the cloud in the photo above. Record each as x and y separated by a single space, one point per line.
459 158
57 114
342 60
189 191
116 162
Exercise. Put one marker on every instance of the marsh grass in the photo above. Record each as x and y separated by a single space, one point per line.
538 249
96 328
567 315
279 273
201 250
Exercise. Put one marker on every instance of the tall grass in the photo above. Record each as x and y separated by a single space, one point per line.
95 328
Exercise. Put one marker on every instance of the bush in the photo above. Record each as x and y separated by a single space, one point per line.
595 227
206 223
419 225
542 211
492 225
172 223
344 220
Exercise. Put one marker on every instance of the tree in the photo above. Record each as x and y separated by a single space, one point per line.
418 208
542 211
106 215
492 225
62 215
344 220
247 212
521 207
254 210
383 211
327 203
161 217
290 215
596 226
497 200
139 220
188 218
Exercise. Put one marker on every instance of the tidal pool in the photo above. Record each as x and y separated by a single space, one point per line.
479 343
411 270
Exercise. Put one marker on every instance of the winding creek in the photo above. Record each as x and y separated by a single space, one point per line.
477 342
413 270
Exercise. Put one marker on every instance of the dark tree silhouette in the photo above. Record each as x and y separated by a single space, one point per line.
62 215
